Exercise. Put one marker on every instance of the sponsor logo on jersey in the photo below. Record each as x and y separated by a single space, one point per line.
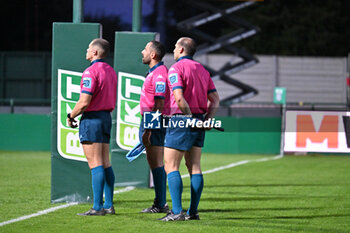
173 78
87 82
160 87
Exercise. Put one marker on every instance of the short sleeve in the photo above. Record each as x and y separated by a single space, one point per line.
88 83
159 85
211 86
174 79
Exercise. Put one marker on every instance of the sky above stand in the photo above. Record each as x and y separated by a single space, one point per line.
121 8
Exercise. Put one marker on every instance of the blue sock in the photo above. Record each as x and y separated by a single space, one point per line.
159 180
196 192
109 187
98 176
175 189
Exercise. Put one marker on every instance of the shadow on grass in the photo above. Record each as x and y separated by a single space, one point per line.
260 209
259 198
264 225
128 202
292 217
271 185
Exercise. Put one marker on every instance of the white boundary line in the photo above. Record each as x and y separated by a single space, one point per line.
126 189
42 212
237 164
129 188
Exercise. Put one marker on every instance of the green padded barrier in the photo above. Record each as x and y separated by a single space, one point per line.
70 174
131 73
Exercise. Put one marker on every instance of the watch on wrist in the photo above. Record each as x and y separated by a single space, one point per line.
68 115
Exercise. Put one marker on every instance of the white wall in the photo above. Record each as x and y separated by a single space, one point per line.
307 79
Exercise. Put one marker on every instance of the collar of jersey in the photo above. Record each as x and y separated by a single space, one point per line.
155 66
97 60
184 57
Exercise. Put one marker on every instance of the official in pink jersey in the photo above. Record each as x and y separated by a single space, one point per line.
96 102
193 98
155 97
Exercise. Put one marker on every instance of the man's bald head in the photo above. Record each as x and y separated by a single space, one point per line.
189 45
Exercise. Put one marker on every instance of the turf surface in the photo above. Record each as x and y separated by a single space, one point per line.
292 194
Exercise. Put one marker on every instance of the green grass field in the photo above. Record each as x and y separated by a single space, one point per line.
292 194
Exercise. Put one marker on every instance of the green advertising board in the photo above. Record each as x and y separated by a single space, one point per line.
70 174
68 144
131 74
128 109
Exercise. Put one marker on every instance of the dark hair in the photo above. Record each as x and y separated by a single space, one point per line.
103 45
189 45
158 48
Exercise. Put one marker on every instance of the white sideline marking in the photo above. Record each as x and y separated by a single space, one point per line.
126 189
237 164
129 188
42 212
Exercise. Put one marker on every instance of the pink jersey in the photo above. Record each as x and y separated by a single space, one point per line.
194 80
155 86
100 81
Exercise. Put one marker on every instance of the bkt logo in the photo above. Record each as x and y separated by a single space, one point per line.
152 120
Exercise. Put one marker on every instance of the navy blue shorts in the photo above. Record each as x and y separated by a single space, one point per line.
157 135
95 127
183 138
